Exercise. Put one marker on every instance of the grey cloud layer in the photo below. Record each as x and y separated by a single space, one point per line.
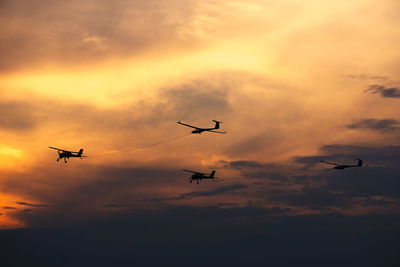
80 32
196 194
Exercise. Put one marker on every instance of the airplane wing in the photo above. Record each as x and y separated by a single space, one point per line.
224 132
191 171
329 162
187 125
59 149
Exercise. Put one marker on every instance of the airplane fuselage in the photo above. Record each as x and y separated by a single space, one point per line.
342 167
68 155
199 177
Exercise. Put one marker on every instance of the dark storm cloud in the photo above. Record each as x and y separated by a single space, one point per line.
33 205
76 32
312 198
372 181
389 92
384 125
228 237
371 201
9 208
195 194
16 116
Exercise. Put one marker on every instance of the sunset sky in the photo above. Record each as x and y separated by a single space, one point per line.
294 82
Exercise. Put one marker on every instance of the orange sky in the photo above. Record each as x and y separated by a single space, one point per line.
285 77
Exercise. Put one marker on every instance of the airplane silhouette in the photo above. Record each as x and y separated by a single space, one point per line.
198 176
344 166
199 130
65 154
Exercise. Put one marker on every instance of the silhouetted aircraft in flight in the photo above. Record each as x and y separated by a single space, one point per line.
344 166
200 130
65 154
198 176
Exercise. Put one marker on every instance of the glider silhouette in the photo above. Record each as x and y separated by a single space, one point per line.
198 130
344 166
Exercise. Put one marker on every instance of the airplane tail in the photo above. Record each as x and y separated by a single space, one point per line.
217 124
360 162
212 174
80 152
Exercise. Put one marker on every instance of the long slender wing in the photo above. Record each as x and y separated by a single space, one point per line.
187 125
323 161
191 171
224 132
59 149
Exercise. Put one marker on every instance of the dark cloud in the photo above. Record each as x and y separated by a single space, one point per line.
227 236
195 194
384 125
26 211
392 92
33 205
112 205
374 201
227 205
9 208
312 198
333 189
372 181
327 189
379 179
